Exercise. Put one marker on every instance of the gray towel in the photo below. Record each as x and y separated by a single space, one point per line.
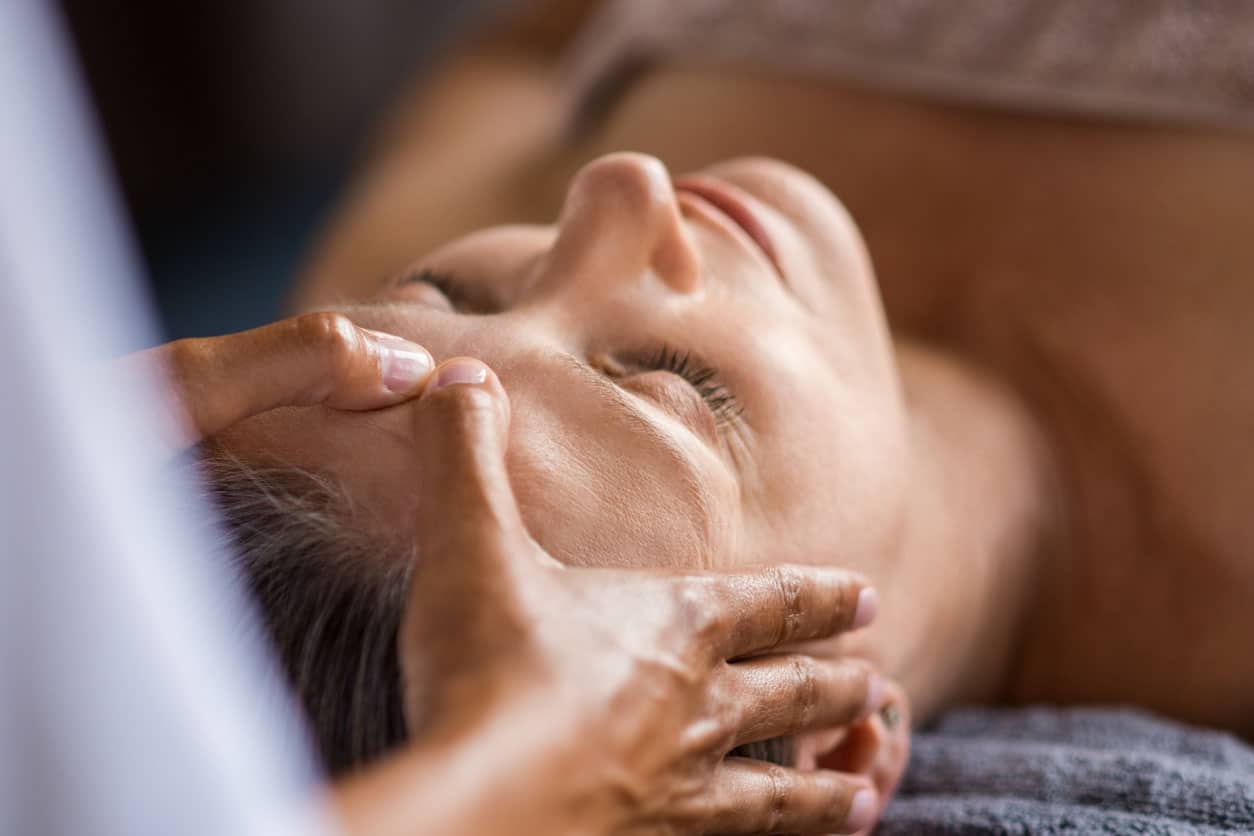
1075 771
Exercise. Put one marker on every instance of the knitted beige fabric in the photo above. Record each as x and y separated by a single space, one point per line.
1174 61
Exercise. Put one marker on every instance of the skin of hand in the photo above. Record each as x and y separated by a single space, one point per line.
575 700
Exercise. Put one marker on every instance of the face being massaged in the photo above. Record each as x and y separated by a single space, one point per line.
699 375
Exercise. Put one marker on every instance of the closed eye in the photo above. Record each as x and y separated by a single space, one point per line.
453 291
718 397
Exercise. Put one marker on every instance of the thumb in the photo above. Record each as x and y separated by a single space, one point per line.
318 358
467 519
462 607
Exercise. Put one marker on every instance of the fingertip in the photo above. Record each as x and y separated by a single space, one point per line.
874 695
461 435
470 382
460 389
867 607
459 371
862 810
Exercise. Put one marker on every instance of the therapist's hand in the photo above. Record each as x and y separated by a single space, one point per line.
544 699
318 358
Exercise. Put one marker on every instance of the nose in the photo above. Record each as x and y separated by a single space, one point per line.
621 221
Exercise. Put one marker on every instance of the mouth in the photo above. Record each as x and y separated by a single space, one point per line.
733 204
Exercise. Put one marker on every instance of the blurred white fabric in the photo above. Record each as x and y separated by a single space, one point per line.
135 697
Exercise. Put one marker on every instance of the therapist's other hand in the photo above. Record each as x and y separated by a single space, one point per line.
318 358
604 701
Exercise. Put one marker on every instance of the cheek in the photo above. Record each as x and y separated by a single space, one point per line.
609 516
604 504
837 483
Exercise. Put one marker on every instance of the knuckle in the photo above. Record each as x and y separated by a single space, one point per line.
789 588
334 337
716 735
698 613
804 676
729 716
689 813
778 794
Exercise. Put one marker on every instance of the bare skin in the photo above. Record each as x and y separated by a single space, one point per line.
621 691
1096 272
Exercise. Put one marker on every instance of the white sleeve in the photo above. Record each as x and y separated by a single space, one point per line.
134 698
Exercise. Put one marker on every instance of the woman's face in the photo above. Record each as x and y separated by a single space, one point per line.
699 373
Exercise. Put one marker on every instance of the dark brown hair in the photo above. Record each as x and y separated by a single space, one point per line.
330 596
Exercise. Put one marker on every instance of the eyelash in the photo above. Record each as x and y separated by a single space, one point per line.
721 400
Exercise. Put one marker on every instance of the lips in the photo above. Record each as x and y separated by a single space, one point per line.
728 200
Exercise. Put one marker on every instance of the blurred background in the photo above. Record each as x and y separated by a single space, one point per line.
232 126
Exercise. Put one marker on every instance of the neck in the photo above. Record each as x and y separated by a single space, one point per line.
980 514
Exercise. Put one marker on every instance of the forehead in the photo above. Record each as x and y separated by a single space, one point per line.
605 486
597 484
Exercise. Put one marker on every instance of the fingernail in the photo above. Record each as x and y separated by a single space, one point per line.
404 368
462 370
874 695
868 606
861 811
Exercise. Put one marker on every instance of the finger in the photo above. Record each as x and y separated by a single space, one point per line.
319 358
878 746
787 694
761 610
467 535
751 796
466 510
